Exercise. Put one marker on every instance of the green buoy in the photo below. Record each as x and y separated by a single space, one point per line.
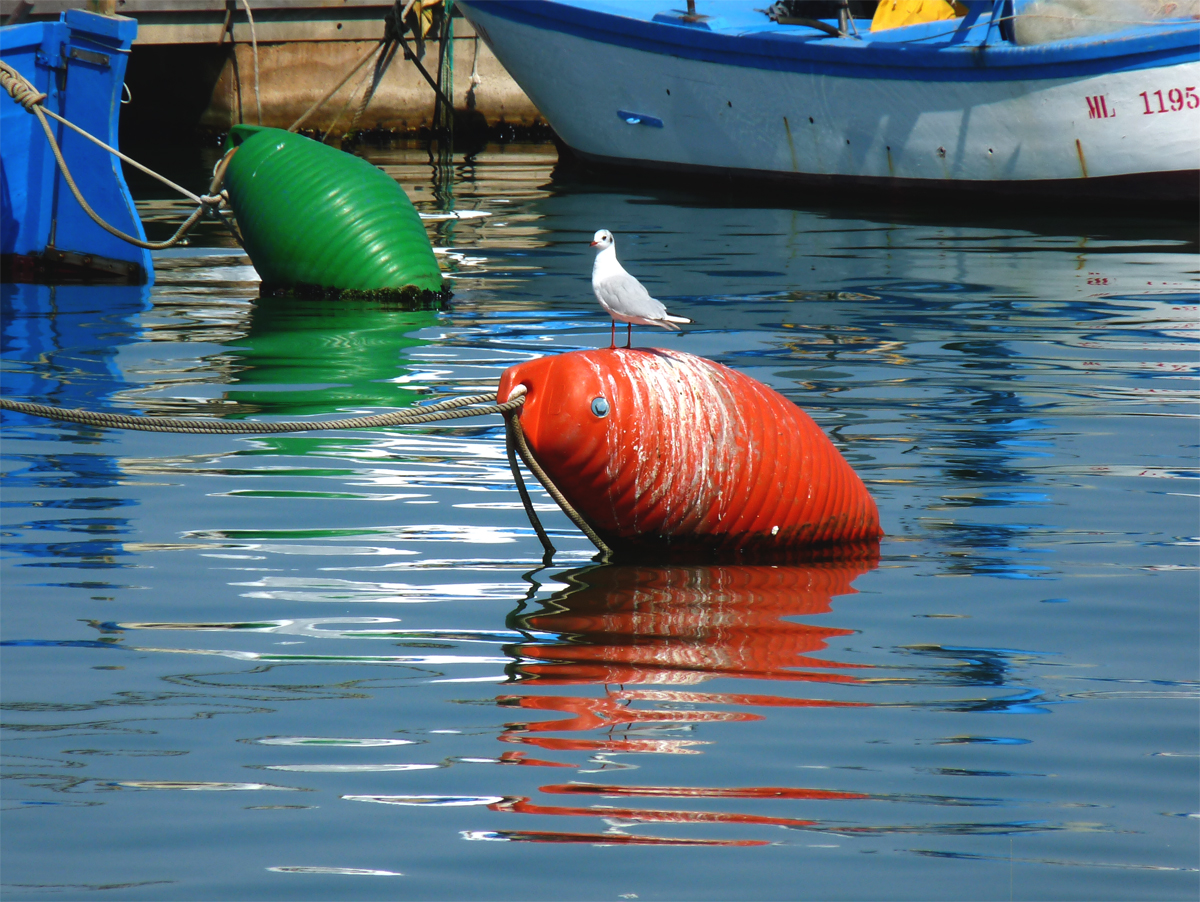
316 220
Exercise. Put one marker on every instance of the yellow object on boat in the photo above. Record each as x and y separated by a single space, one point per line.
896 13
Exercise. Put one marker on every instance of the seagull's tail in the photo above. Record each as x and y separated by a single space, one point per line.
676 319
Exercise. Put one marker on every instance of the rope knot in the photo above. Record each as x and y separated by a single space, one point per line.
19 89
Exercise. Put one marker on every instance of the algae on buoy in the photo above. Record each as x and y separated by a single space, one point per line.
316 220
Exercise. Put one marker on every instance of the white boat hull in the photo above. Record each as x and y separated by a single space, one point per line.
909 132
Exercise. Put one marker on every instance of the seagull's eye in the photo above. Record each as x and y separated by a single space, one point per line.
600 406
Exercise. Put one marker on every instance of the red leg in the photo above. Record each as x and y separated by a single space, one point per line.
612 335
628 334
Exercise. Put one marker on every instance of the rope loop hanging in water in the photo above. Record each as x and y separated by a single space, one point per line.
511 425
30 99
516 435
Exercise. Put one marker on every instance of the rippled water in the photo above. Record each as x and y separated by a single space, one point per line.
330 665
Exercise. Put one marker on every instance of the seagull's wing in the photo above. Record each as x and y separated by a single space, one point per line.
624 294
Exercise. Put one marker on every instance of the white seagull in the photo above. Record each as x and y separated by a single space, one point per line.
622 296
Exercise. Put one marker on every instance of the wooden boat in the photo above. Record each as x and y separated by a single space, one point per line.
78 62
972 104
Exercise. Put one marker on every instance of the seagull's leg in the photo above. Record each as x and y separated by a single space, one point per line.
628 334
612 336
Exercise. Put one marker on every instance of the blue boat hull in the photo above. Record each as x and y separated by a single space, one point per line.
79 63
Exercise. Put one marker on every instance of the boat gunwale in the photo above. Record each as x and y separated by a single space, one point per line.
963 60
104 34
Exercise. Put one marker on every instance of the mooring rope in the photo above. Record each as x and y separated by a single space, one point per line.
254 46
295 126
393 39
518 436
30 99
350 98
510 447
453 409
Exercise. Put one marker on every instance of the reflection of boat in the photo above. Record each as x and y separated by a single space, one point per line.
79 63
61 342
983 103
66 337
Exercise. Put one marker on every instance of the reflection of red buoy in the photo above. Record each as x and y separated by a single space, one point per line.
685 625
522 805
659 632
661 448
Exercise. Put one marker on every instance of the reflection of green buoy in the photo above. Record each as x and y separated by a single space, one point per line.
316 220
306 356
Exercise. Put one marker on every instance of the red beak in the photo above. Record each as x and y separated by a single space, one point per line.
594 243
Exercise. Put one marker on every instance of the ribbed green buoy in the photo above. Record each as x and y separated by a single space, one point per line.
314 218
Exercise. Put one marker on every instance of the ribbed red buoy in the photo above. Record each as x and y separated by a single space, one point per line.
661 449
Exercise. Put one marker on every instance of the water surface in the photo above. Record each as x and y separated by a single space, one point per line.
332 665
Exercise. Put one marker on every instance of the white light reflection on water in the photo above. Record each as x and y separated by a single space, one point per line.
323 741
343 872
350 768
191 786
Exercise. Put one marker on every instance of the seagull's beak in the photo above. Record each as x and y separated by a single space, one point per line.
594 243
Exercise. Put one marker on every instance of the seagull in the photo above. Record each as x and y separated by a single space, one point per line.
622 296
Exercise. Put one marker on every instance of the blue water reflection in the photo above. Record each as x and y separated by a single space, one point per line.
325 658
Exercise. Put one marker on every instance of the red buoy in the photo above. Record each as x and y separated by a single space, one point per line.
661 449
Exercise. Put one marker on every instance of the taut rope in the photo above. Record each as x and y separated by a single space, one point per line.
452 409
31 99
